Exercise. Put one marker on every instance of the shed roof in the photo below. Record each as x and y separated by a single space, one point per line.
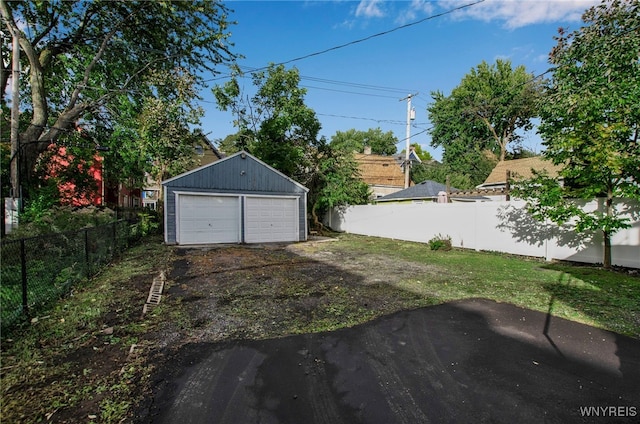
521 169
379 170
425 190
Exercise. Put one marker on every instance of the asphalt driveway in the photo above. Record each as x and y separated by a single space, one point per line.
461 362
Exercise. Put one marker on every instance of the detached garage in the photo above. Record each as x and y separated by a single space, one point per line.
238 199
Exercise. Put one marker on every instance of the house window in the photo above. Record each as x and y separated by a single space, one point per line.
199 150
149 194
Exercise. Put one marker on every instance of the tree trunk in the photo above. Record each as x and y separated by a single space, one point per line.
316 222
606 263
607 250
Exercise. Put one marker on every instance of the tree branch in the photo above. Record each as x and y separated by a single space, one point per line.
52 24
38 97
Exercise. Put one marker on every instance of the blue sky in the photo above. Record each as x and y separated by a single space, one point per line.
361 85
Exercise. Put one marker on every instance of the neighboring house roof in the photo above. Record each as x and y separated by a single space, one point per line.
413 157
520 169
206 153
425 190
379 170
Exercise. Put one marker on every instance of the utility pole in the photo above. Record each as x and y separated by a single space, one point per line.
411 114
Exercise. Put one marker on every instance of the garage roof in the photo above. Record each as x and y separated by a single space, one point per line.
238 172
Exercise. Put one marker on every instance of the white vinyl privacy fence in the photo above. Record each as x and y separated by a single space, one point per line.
491 226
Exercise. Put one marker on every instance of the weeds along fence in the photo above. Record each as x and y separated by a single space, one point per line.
38 270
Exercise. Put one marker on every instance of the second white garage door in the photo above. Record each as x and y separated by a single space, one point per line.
271 219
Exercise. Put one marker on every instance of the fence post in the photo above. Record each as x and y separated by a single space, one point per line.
86 251
114 234
23 266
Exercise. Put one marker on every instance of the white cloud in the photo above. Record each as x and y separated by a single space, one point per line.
417 9
370 9
519 13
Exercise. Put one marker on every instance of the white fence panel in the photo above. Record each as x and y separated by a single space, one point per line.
493 226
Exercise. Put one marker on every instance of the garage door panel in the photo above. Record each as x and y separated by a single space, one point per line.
208 219
271 219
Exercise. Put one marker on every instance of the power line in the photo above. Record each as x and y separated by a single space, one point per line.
356 85
428 18
380 121
349 92
379 34
251 70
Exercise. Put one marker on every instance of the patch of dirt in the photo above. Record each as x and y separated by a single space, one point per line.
274 290
100 357
76 374
372 268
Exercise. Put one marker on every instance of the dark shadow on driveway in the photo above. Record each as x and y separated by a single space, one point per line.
461 362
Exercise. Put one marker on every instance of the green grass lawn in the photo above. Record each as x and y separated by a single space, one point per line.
608 299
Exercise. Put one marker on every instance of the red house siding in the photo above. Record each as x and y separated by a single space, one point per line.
70 194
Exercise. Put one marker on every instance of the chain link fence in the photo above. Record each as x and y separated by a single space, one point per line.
36 271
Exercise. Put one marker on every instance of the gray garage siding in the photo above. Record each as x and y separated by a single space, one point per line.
240 174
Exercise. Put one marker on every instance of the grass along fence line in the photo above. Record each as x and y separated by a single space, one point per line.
38 270
608 299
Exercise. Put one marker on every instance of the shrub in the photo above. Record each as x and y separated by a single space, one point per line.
148 222
440 242
43 218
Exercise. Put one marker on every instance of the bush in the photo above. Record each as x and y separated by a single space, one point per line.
148 222
39 219
440 242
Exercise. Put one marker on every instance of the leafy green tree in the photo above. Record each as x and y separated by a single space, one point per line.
521 153
352 140
165 137
124 157
479 120
439 172
276 126
335 182
82 55
591 123
229 144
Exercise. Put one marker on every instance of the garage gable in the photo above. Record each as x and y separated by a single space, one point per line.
239 172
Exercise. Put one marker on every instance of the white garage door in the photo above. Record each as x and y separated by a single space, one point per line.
208 219
270 219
